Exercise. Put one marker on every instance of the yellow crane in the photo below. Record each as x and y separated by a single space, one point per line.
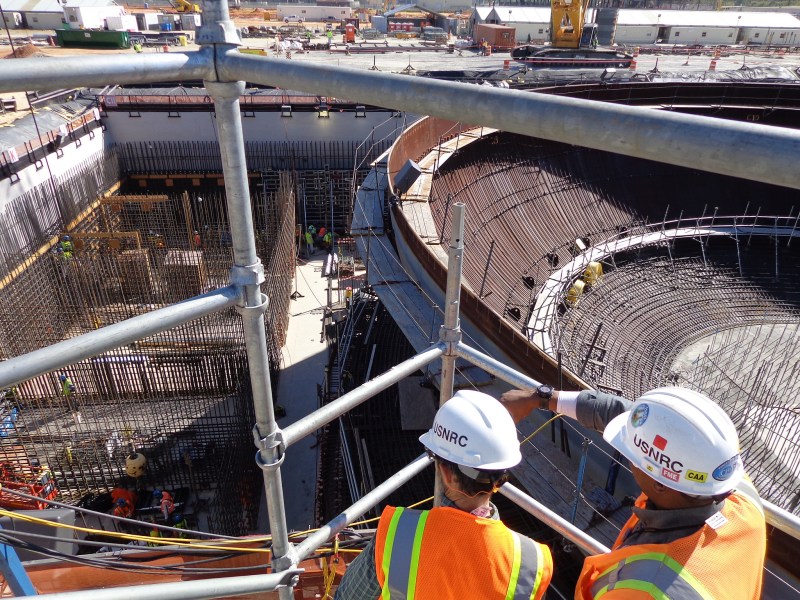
182 6
567 24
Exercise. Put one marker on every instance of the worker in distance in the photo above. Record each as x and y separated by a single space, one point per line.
697 531
431 554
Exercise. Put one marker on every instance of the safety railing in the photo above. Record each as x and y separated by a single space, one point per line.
759 153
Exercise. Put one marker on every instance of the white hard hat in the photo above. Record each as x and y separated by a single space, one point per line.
680 438
474 430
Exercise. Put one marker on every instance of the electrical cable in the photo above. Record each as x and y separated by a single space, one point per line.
116 518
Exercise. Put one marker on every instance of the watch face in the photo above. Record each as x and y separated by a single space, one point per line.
545 391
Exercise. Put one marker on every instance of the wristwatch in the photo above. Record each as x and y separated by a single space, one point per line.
545 392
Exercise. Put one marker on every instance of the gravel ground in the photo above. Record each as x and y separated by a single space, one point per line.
410 56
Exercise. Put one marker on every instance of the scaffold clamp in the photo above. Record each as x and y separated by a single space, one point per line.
242 275
273 444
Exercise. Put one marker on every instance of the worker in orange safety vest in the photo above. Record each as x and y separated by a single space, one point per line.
123 502
697 531
431 554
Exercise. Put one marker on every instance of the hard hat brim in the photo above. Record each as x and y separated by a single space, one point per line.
616 434
427 439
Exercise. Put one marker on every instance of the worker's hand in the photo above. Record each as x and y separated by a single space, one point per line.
520 403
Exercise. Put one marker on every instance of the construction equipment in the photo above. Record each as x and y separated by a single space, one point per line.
567 27
573 43
182 6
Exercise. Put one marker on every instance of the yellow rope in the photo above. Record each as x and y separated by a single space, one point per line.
545 424
165 541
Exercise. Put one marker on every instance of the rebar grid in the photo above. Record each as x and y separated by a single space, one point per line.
176 397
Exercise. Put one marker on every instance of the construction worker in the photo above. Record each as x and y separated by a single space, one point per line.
137 47
66 247
460 549
697 529
179 522
166 504
123 502
198 241
67 389
309 236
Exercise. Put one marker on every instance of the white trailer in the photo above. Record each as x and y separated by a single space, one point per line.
91 17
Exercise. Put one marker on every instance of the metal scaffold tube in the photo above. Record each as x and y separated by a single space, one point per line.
186 590
100 71
585 542
368 501
450 332
756 152
248 273
18 369
322 416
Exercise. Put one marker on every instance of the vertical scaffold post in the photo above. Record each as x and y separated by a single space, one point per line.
247 273
450 332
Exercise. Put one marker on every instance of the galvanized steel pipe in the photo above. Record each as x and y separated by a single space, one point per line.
324 415
220 587
326 532
100 71
584 541
756 152
20 368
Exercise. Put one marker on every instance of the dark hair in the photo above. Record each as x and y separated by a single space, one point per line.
485 483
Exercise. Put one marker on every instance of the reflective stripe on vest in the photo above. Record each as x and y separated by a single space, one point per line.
523 583
654 573
401 559
401 553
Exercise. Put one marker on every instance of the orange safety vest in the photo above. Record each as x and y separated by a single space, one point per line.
449 553
711 564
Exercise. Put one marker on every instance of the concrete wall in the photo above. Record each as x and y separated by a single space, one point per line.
72 156
263 127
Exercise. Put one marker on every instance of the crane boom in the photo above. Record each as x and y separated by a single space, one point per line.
567 22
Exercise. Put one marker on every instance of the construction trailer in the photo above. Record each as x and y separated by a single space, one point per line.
91 17
499 37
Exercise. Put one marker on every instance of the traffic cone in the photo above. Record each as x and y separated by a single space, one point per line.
713 65
636 51
717 52
632 66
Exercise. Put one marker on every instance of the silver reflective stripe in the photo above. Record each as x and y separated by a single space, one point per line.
528 569
641 574
402 547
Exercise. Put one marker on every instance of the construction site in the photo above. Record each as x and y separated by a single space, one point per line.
127 242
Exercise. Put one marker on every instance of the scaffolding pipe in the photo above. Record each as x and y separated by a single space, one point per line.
450 331
324 415
359 508
20 368
248 273
221 587
101 71
747 150
585 542
495 367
